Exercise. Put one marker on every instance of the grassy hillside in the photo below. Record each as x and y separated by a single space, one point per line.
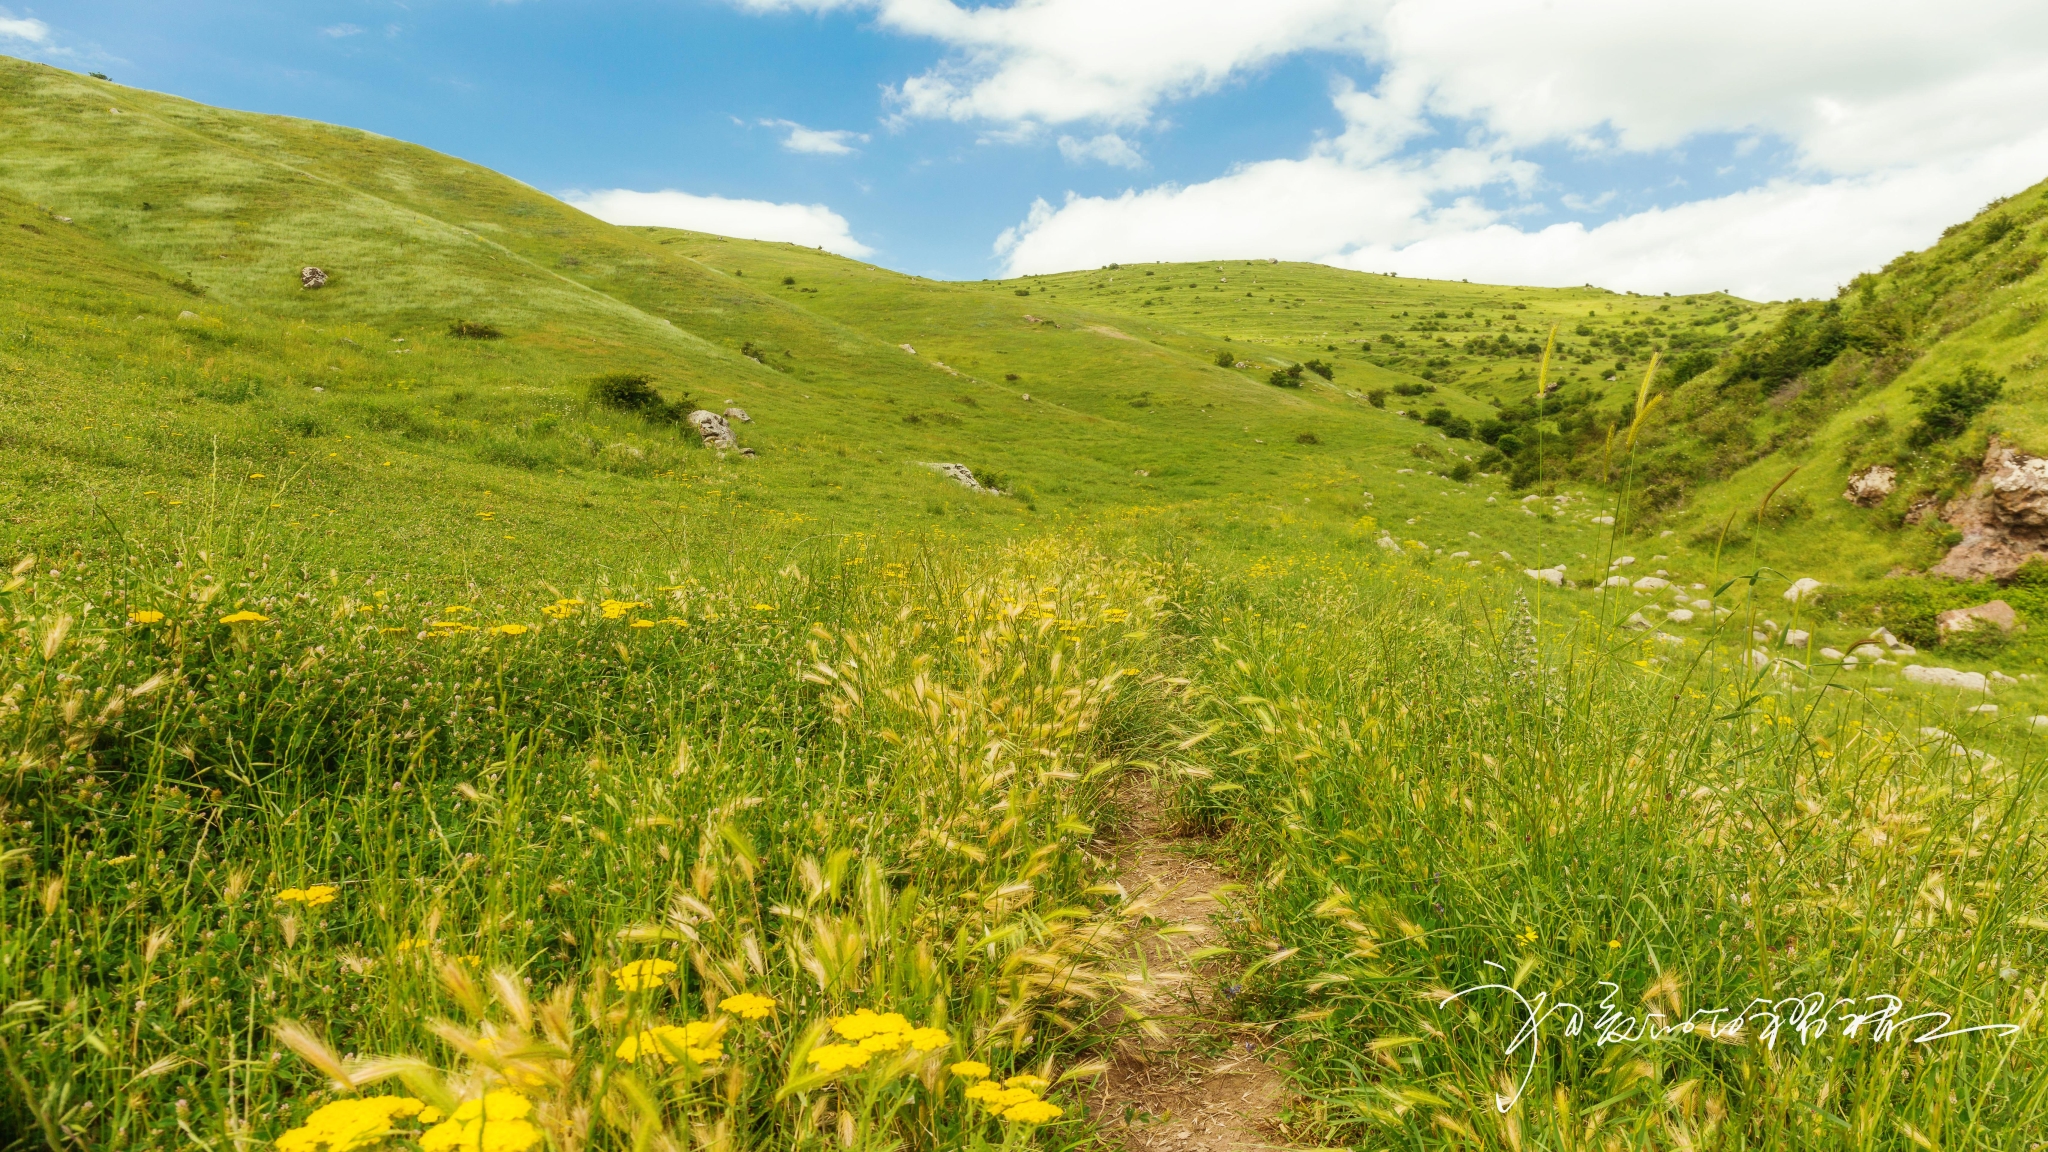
386 717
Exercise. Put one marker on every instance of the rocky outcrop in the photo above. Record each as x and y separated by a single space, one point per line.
1995 612
962 475
716 432
2003 519
738 416
1801 589
311 277
1946 678
1869 487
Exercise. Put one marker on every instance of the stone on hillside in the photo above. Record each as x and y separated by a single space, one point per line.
908 348
1651 584
1798 637
1946 678
1801 588
311 277
1867 650
738 416
2038 722
1996 612
1552 576
1701 605
1637 621
1615 582
1603 519
1679 616
1668 638
714 430
1869 487
1619 561
962 475
2004 518
188 314
1389 543
1757 658
1831 653
1983 709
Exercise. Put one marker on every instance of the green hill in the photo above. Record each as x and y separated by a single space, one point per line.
387 669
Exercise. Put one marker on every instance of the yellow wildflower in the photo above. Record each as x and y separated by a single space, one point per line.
496 1123
832 1058
510 629
764 607
866 1022
346 1125
984 1090
145 616
245 617
969 1070
642 624
561 609
312 897
640 975
749 1006
927 1039
668 1043
1028 1082
617 609
451 626
1033 1112
255 475
454 609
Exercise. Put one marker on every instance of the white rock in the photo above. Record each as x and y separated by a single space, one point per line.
1404 471
1389 543
1603 519
960 474
1760 636
1798 637
1459 555
1984 709
1637 621
1850 661
1622 562
1831 653
1702 605
2002 678
1679 616
1801 588
1651 584
1553 576
1757 658
188 314
1505 556
2038 721
1867 650
1615 582
1946 678
1668 638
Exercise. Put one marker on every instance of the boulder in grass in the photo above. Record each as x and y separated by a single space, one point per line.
1551 576
1801 589
1650 584
311 277
715 432
1995 612
1679 616
1798 637
1868 488
962 475
738 416
1946 678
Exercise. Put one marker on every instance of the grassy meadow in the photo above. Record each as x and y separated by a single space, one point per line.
402 748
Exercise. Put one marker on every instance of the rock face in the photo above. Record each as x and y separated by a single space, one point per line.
738 416
311 277
1869 487
962 475
1801 588
716 432
2004 519
1968 619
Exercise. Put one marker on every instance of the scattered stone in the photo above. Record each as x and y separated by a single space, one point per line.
1867 650
1622 562
962 475
1030 319
188 314
1389 543
311 277
1868 488
2038 721
1650 584
1757 658
715 432
908 348
1850 661
1459 555
626 450
1984 709
1668 638
1946 678
1615 582
1551 576
2001 677
1967 619
1702 605
1798 637
1679 616
1027 396
1637 621
1603 519
738 416
1801 588
1831 653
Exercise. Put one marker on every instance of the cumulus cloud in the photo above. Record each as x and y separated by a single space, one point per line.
1108 148
812 225
25 29
815 141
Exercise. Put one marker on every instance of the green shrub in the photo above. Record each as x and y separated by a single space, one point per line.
1326 371
1377 397
473 330
1027 291
1288 377
635 393
1224 359
1460 472
1947 408
1413 389
1308 438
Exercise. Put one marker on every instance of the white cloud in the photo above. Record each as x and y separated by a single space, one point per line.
1108 148
24 28
812 225
815 141
339 31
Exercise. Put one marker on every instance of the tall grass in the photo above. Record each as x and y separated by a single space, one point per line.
1429 795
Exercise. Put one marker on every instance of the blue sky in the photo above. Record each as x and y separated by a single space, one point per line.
1636 146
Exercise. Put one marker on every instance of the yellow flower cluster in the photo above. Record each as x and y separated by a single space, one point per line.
872 1032
145 616
667 1043
749 1006
312 897
617 609
495 1123
1017 1099
561 609
245 617
640 975
347 1125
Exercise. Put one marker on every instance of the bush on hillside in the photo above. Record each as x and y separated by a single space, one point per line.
473 330
1288 377
1413 389
635 393
1377 397
1224 359
1326 371
1947 408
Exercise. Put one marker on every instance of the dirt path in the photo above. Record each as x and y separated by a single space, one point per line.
1209 1084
